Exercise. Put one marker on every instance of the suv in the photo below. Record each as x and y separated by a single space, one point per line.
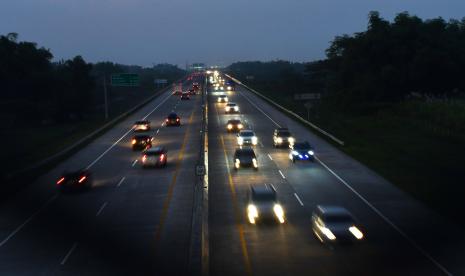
263 204
301 151
245 157
282 137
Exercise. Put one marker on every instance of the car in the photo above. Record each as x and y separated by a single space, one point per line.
234 125
196 86
185 96
76 180
301 151
142 125
334 224
173 120
222 99
247 137
155 157
282 137
263 204
245 157
141 141
177 92
230 85
231 108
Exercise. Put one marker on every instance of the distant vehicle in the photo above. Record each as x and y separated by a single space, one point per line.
231 108
77 180
141 141
155 157
185 96
173 120
301 151
234 125
335 224
196 86
177 92
245 157
263 204
282 137
222 99
230 85
142 125
246 137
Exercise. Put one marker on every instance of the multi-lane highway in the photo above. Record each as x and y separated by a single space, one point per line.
138 221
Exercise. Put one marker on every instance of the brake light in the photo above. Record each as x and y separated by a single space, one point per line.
177 120
162 157
82 179
60 180
144 158
166 120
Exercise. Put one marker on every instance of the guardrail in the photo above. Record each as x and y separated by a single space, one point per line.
290 113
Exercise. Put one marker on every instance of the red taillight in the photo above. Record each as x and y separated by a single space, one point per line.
144 158
82 179
60 180
166 120
162 157
177 120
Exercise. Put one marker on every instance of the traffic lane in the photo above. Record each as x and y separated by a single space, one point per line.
272 249
330 191
47 216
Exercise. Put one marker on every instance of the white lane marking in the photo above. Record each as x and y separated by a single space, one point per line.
386 219
124 135
274 188
134 163
270 157
28 220
158 130
298 199
101 209
69 253
259 109
281 173
261 145
121 181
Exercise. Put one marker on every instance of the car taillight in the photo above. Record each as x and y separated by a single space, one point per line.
177 120
144 158
60 181
166 120
162 157
82 179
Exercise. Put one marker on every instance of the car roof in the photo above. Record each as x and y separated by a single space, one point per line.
159 149
245 131
302 144
245 150
172 114
234 121
263 190
231 103
142 135
332 210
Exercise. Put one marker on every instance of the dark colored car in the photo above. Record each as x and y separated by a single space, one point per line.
141 141
155 157
245 157
234 125
77 180
301 151
282 137
263 204
185 96
196 87
230 85
334 224
173 120
143 125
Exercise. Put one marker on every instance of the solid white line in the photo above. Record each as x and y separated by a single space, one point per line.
386 219
158 130
124 135
134 163
281 173
28 220
274 188
261 145
69 253
298 199
121 181
270 157
101 209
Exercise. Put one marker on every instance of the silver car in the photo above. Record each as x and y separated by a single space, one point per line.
246 137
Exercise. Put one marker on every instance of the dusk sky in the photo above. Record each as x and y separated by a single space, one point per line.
219 32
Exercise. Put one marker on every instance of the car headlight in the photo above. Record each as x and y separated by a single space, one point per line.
311 152
356 232
226 99
294 152
279 140
236 108
254 140
291 139
254 162
227 108
230 126
219 100
133 141
240 126
240 141
327 233
237 163
229 87
279 212
252 213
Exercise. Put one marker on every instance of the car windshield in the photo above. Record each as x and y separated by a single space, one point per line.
263 197
234 122
337 218
231 104
172 116
141 137
247 134
284 134
302 146
245 153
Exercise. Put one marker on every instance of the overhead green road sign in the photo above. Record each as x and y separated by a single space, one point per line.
124 80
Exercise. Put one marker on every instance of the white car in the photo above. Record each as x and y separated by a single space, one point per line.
231 108
247 137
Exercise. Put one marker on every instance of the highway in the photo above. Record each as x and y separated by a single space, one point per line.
138 221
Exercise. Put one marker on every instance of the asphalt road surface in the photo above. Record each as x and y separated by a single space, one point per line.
138 221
